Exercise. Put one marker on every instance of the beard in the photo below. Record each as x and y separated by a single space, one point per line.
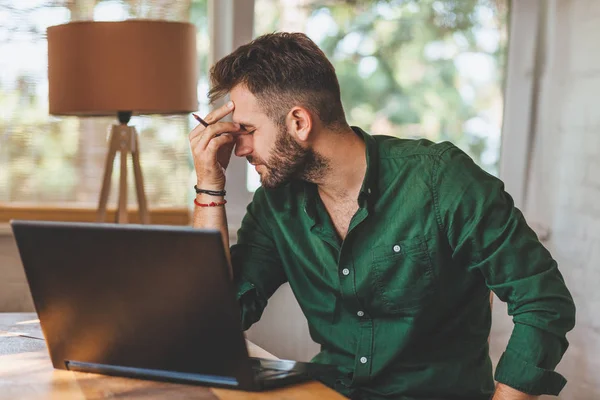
289 160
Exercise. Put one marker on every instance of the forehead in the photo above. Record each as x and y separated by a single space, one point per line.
247 109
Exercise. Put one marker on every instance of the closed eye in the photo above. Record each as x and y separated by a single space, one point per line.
247 127
248 131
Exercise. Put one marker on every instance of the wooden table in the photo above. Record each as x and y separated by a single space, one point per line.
26 373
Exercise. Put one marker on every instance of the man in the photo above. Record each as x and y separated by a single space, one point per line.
391 246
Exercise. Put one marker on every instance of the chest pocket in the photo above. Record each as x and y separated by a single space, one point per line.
402 276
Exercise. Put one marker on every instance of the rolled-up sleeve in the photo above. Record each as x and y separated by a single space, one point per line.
490 235
255 261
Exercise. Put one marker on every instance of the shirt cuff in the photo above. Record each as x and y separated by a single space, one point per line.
517 373
252 304
243 288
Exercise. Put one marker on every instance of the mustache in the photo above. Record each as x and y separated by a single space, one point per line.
255 160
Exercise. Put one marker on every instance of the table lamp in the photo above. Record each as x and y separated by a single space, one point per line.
122 69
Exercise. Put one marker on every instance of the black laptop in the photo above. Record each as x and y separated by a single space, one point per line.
143 301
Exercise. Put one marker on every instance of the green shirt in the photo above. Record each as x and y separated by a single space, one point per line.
401 305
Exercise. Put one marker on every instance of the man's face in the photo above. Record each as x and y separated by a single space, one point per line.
273 150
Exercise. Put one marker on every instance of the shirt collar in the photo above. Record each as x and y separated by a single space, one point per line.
368 190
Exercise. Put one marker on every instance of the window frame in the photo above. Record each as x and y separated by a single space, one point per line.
521 96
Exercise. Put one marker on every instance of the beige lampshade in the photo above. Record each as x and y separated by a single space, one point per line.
143 66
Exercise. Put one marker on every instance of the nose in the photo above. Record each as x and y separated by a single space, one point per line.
243 145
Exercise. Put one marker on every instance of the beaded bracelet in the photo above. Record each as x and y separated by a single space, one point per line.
210 192
211 204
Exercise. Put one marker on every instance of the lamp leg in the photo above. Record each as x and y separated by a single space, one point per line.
139 180
122 205
108 168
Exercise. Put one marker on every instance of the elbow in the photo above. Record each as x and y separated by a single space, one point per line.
564 311
555 315
570 317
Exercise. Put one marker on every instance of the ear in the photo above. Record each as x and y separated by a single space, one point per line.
300 123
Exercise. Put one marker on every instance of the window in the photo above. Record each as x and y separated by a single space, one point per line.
427 68
50 161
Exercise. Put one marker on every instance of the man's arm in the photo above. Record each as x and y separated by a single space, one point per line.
211 148
504 392
212 217
257 266
490 236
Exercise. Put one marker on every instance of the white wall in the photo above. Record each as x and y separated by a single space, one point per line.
283 329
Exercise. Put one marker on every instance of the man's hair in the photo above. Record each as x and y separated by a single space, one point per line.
282 70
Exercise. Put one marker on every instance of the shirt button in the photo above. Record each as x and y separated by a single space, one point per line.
360 313
346 271
397 248
363 360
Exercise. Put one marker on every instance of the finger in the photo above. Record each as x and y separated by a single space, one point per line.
216 130
194 141
219 113
196 132
216 144
219 128
213 117
225 152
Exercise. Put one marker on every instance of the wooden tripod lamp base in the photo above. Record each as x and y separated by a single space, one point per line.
124 140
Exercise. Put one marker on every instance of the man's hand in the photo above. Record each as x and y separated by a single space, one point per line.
212 146
504 392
